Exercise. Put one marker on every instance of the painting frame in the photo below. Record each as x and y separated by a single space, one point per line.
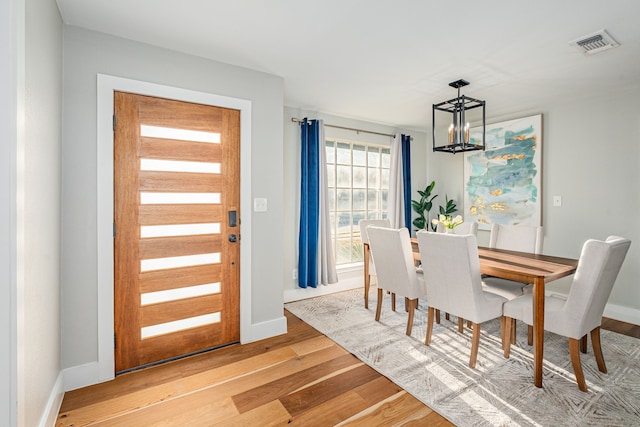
503 183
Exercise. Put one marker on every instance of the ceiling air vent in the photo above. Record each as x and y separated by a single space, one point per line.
594 43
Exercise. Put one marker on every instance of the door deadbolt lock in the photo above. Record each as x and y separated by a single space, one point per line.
233 238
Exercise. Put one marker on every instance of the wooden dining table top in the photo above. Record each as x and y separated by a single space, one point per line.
520 266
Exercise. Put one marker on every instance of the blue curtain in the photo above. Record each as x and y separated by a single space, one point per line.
309 204
406 178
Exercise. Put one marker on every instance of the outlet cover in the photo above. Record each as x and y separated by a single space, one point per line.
259 204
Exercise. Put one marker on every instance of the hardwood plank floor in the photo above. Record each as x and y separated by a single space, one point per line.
300 378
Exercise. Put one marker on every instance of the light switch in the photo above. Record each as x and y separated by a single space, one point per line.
557 201
259 204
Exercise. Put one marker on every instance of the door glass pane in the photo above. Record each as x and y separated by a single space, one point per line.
179 134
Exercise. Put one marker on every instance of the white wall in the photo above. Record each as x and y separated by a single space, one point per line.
30 128
43 124
86 54
352 278
11 88
591 157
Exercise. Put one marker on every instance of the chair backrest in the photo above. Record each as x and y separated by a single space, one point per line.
464 228
452 272
598 268
521 238
393 256
364 223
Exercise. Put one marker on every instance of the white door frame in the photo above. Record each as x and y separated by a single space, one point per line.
106 87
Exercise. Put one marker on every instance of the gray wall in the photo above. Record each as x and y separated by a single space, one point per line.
87 54
591 157
11 35
30 119
43 118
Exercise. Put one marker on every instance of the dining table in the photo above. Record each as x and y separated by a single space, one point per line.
527 268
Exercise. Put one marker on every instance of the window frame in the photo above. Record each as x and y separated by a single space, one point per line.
336 211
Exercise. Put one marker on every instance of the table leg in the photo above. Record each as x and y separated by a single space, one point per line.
538 329
367 278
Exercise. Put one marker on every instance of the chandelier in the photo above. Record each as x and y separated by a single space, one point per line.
451 118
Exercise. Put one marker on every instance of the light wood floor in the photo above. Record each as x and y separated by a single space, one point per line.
301 378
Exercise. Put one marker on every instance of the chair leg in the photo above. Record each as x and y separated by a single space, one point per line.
437 316
446 316
513 331
461 325
393 301
430 315
367 277
411 308
506 340
583 344
475 343
379 306
574 351
469 324
366 290
529 334
597 349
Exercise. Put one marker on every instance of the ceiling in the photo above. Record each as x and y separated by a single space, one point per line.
389 61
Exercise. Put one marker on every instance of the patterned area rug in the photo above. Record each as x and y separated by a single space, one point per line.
499 392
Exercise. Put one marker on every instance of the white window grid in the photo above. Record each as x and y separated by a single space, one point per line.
358 184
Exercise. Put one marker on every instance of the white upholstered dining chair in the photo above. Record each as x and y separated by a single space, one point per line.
581 313
369 266
454 284
521 238
395 269
464 228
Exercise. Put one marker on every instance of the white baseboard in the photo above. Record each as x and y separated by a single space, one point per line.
81 376
268 329
304 293
624 314
50 414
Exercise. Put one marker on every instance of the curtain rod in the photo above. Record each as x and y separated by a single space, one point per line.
296 120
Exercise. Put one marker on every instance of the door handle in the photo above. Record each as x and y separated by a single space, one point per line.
233 218
233 238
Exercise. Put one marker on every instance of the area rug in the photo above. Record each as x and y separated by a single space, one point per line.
499 392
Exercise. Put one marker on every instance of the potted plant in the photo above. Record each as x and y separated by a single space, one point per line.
423 206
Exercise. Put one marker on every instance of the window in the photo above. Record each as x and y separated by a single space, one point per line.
358 181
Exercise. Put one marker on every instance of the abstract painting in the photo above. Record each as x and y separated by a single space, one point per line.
502 185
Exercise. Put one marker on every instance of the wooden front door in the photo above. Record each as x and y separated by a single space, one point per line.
177 228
